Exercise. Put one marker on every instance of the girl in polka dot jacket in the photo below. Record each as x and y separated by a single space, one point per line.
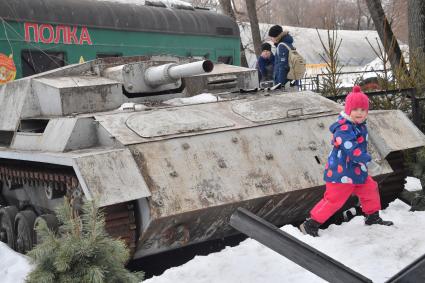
346 171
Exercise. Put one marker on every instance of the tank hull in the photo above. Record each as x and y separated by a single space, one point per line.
171 176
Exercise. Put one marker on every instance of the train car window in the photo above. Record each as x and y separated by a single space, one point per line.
155 4
225 59
224 31
34 62
106 55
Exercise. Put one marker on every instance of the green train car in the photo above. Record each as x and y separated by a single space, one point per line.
40 35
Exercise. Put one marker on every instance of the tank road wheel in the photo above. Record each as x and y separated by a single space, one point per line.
51 221
7 229
24 227
3 201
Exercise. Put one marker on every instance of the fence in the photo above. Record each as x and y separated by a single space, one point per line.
346 79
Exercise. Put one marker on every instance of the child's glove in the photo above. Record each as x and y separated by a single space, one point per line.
373 168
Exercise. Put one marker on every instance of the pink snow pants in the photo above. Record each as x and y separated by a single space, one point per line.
336 195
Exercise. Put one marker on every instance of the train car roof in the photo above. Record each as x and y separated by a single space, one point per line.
119 16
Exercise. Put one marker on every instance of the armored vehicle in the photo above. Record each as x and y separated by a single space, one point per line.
171 176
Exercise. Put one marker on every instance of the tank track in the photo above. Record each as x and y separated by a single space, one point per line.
120 220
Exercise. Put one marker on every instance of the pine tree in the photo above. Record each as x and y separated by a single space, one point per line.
81 252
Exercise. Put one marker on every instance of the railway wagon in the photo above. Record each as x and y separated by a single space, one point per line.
40 35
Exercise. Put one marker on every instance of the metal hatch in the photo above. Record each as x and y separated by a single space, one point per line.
280 107
175 121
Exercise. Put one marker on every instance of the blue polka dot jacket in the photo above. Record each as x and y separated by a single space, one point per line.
347 162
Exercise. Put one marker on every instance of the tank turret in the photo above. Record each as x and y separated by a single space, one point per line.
146 78
170 73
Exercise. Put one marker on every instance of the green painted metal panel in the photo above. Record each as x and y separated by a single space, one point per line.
126 43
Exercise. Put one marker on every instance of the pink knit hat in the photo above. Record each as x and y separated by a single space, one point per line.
356 99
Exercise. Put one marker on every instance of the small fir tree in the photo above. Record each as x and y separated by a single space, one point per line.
331 85
81 252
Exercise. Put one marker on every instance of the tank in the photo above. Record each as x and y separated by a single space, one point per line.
171 176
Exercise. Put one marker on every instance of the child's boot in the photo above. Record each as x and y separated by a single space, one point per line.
374 218
310 227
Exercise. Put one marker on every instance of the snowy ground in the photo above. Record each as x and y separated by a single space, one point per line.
377 252
413 184
14 267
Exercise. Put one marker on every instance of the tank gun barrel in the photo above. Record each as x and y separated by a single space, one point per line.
169 73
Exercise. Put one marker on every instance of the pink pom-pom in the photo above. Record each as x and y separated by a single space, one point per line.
357 88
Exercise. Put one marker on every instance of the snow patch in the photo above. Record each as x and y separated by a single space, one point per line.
14 267
132 106
200 98
378 65
377 252
413 184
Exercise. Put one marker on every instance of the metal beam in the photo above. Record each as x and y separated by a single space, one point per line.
414 272
293 249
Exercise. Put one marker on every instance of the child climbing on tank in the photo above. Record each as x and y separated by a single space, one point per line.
346 171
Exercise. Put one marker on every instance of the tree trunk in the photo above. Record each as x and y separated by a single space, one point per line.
369 22
416 22
226 6
255 29
389 41
359 17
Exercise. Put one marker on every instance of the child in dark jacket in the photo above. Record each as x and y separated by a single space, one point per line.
346 171
265 63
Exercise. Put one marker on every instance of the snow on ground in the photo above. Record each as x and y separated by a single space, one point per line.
13 266
377 252
413 184
200 98
354 51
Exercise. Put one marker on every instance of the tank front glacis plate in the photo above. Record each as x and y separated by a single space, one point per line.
196 182
392 131
173 121
277 108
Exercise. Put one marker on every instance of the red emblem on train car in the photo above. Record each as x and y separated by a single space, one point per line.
7 69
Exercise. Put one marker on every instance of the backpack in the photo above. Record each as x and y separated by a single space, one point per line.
296 64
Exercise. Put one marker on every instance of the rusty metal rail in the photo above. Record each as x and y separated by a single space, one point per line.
294 249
